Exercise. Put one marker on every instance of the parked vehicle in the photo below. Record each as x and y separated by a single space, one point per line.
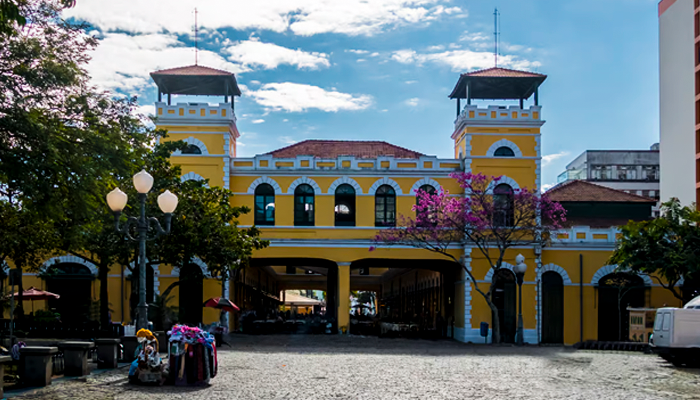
677 335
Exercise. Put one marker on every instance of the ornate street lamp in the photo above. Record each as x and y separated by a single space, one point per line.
116 199
519 270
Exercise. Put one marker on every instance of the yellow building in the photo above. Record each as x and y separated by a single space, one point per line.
321 202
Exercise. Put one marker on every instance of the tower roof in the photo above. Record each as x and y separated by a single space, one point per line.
337 148
196 80
497 83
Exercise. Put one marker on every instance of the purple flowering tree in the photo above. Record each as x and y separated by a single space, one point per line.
489 216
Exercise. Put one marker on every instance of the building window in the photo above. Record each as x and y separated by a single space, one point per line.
626 172
426 188
503 205
304 205
264 205
650 173
345 205
385 206
504 152
192 149
601 172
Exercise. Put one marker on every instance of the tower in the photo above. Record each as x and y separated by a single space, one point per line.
209 129
500 140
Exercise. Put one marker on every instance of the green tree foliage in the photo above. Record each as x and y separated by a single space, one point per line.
62 144
666 248
13 17
205 225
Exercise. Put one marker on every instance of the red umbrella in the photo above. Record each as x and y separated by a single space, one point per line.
222 304
35 294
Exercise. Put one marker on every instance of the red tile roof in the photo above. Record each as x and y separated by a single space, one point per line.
504 73
582 191
336 148
192 70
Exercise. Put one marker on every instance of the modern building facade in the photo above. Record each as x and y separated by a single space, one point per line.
320 203
679 101
631 171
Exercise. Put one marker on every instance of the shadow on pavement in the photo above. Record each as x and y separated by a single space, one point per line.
336 344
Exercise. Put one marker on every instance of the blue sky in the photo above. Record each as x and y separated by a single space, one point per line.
382 69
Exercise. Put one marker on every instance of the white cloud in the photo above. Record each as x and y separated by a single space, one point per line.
258 121
361 60
254 82
375 54
549 158
384 110
547 186
301 17
297 97
285 120
356 51
286 139
412 102
461 60
124 61
410 82
436 48
254 53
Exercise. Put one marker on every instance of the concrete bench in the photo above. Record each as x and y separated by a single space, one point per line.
36 365
130 344
75 356
3 360
107 353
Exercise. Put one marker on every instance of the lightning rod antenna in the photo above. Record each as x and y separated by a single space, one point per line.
196 32
496 14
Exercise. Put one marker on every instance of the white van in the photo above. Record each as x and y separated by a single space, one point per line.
677 335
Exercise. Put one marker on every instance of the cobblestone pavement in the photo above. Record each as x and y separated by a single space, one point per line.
320 367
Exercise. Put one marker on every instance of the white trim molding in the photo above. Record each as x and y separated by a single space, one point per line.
191 176
507 180
345 180
384 181
195 142
264 179
304 180
68 259
504 265
609 269
555 268
504 143
425 181
197 261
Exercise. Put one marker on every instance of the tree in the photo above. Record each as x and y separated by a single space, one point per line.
61 143
205 226
666 248
13 18
487 216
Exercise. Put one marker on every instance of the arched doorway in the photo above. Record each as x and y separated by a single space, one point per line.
552 308
616 292
191 294
504 298
73 283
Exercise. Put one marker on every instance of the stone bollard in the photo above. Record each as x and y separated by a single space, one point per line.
36 365
75 357
3 360
107 353
130 344
162 341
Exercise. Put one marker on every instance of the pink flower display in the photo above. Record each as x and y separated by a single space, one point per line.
488 215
